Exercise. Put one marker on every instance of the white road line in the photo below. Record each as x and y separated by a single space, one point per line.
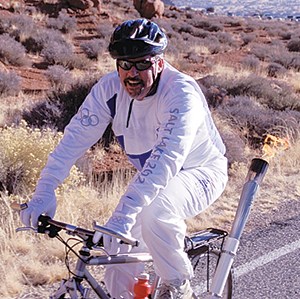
252 265
266 258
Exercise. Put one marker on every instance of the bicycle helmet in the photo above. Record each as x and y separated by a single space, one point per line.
137 38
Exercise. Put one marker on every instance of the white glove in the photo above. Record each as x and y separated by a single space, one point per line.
43 202
121 221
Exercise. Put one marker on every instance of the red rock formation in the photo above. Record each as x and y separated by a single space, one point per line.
149 8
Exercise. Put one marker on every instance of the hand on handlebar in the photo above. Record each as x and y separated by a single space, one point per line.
112 244
121 221
42 202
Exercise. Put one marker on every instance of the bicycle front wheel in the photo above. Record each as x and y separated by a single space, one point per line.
204 265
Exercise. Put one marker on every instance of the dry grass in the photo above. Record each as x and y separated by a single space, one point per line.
25 256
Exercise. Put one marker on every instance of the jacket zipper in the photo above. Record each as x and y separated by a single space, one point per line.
129 113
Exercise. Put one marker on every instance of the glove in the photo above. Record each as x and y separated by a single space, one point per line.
121 221
43 202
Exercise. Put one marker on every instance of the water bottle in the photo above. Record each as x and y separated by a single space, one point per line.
142 288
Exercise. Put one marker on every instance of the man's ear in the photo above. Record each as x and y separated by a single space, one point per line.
160 64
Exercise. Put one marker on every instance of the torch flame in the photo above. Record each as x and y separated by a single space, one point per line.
273 145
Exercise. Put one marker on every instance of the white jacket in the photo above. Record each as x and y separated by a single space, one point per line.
161 135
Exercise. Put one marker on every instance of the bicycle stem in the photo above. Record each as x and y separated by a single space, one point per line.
254 178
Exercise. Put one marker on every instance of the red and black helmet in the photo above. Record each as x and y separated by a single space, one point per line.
137 38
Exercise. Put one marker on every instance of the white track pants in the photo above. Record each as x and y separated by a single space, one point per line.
161 229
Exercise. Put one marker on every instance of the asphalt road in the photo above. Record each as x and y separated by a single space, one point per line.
267 264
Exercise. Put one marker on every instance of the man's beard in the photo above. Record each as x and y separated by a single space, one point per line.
134 86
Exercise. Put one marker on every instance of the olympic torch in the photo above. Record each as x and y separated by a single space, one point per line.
253 180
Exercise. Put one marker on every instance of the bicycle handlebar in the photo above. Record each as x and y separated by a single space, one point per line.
51 227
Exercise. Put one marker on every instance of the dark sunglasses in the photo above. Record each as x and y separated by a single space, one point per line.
139 65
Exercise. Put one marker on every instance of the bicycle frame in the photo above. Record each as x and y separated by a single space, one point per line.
196 245
72 285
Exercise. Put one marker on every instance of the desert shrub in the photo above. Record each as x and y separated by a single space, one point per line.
233 22
275 69
277 53
261 51
59 53
248 37
40 39
4 24
193 57
289 60
173 35
295 63
208 25
58 109
59 76
104 30
64 22
276 29
285 35
225 38
10 84
21 27
201 33
12 51
212 44
94 48
273 94
294 45
255 120
276 95
172 14
24 152
251 62
183 27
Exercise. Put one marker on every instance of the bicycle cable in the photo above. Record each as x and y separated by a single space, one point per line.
69 249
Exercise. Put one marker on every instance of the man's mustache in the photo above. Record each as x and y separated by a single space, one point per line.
134 79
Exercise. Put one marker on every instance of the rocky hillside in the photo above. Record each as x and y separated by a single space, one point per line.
239 62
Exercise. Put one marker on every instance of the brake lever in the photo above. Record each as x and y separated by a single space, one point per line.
25 228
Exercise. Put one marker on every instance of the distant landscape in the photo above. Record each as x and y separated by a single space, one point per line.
51 55
267 8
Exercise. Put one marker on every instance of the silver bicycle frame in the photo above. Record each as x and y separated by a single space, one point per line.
71 286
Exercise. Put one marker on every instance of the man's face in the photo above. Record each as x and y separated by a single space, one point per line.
137 75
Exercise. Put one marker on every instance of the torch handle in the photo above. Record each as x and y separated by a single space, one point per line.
254 177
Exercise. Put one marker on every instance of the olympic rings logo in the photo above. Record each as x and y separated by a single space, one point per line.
86 119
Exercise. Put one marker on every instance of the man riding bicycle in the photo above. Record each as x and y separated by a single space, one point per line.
161 119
